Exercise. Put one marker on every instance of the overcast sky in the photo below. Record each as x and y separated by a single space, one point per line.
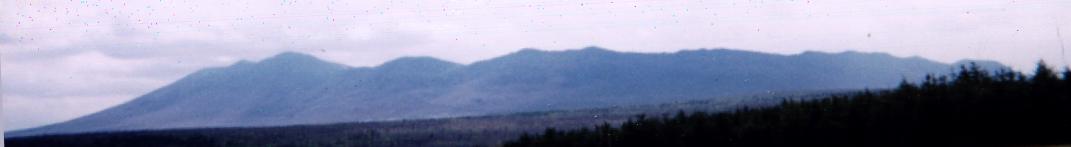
67 58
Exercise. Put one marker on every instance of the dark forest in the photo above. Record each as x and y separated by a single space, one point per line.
971 107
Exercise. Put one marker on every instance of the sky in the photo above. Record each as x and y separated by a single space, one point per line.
67 58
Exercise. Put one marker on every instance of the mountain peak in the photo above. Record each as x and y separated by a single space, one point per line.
718 51
527 51
595 49
530 53
297 61
416 61
291 56
849 53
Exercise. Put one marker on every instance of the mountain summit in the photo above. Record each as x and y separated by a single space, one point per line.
293 88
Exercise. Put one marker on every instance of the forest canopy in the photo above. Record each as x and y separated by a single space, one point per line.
972 106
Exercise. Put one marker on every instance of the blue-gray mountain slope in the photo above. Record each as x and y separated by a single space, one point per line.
293 88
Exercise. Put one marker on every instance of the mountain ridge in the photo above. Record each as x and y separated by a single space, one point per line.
295 88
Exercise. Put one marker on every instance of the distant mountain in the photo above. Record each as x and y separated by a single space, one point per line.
474 131
293 88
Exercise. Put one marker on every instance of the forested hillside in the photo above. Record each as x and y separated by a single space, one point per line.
972 107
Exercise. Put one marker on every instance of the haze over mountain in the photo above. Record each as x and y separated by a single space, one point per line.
293 88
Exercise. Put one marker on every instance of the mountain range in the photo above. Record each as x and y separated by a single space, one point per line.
294 88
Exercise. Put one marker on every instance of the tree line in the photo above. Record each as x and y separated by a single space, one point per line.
969 107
